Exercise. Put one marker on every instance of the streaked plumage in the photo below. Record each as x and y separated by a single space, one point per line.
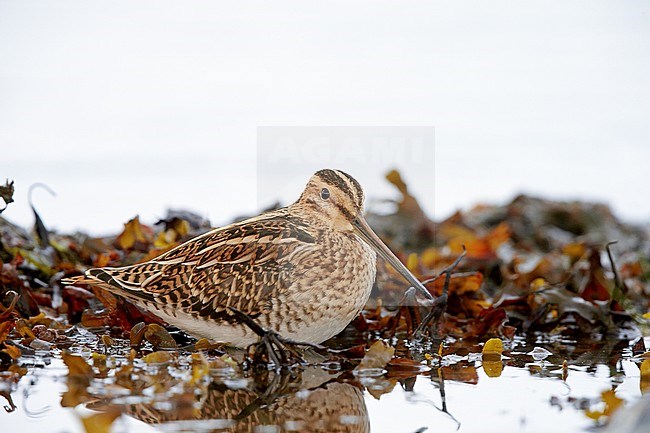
304 271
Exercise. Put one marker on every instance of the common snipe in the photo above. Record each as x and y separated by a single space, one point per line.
304 271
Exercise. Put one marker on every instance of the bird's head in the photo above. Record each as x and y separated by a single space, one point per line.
335 199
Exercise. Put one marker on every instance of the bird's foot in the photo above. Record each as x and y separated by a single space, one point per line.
273 348
433 318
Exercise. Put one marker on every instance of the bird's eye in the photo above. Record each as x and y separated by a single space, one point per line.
325 194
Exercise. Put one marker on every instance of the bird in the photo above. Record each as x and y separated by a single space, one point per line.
304 271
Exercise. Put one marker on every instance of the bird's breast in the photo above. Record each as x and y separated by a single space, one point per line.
327 287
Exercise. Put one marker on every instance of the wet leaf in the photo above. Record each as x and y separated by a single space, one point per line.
381 386
77 366
24 329
137 334
612 403
159 337
222 362
99 362
123 377
568 302
107 341
490 321
12 351
5 329
100 422
598 287
40 319
377 356
200 368
460 373
205 345
403 368
492 368
159 357
92 319
79 375
492 350
645 376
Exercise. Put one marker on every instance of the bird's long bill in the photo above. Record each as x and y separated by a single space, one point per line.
363 230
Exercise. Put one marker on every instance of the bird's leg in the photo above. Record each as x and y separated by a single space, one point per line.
278 349
270 350
440 303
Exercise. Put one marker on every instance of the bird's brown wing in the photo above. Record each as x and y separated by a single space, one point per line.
238 266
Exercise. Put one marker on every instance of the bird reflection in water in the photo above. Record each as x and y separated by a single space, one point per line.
307 401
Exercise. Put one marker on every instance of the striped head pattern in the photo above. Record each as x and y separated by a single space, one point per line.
336 196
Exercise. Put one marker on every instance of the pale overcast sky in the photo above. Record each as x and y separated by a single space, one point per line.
131 107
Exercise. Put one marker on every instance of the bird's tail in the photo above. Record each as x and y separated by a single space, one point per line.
108 279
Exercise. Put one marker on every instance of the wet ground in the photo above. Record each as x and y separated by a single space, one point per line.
531 389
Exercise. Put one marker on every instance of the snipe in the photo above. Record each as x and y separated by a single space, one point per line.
304 271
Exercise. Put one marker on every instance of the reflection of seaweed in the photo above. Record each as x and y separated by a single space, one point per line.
437 376
33 413
12 406
443 395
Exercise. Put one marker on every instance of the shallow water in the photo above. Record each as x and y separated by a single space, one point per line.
463 395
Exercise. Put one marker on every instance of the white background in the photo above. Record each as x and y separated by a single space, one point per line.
131 107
